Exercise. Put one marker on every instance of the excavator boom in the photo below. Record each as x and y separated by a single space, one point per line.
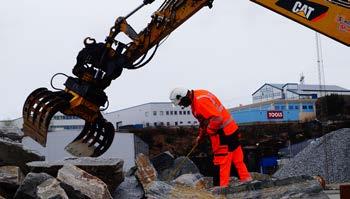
97 65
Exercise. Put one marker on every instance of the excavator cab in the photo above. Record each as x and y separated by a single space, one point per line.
97 65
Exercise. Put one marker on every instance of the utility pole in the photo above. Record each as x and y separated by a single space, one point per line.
320 67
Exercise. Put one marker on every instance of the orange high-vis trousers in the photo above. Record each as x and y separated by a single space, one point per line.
222 170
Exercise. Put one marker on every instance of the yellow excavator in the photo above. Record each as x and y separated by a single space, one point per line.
97 65
100 63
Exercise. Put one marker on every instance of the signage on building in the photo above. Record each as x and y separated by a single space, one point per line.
274 114
329 17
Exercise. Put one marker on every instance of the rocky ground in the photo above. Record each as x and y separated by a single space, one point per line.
24 174
327 156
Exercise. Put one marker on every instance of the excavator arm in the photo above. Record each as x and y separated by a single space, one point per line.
98 64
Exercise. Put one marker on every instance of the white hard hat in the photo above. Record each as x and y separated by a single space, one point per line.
177 94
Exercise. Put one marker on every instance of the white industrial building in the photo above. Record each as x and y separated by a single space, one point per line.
154 114
295 91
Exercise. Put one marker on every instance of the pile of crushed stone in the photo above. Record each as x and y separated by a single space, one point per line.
327 156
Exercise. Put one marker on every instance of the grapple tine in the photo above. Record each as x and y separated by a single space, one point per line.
94 139
38 109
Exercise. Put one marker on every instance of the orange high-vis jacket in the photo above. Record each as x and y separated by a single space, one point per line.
211 114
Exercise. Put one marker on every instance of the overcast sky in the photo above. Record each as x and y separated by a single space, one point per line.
231 50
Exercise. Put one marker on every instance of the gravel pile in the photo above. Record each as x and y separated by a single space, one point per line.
327 156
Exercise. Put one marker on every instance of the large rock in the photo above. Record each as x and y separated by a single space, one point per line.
11 174
13 153
163 161
12 134
327 156
128 189
163 190
51 188
182 165
11 177
293 187
192 180
110 170
83 182
145 172
29 187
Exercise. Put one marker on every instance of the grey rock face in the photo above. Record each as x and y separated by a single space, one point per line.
293 187
191 180
110 170
182 165
145 172
51 189
327 156
129 189
163 161
11 177
11 174
84 182
29 187
158 190
12 134
13 153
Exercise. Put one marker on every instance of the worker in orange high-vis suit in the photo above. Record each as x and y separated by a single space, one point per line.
216 122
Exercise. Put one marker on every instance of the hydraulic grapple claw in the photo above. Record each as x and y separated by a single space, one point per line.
93 140
40 106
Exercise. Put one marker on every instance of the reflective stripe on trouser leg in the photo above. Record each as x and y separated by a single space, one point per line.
237 159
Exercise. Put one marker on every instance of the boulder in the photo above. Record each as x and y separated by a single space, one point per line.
158 190
110 170
145 172
13 153
161 190
85 183
11 177
293 187
163 161
29 187
13 134
130 188
11 174
182 165
51 188
192 180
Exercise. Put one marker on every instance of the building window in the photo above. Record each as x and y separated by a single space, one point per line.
146 114
171 112
277 107
175 123
181 122
147 124
180 112
195 122
154 113
175 112
168 123
296 107
189 122
311 107
161 112
304 107
290 107
167 112
283 107
161 123
188 112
